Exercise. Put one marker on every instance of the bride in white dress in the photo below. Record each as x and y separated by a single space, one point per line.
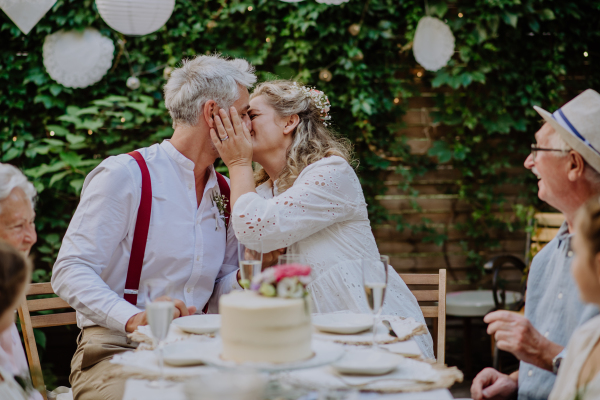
306 198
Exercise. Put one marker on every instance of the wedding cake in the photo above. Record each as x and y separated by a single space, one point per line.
258 328
271 321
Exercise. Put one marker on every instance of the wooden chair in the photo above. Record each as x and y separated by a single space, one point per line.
29 322
437 312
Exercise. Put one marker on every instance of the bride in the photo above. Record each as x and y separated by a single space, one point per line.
306 197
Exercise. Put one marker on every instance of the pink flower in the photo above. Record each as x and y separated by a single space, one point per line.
291 270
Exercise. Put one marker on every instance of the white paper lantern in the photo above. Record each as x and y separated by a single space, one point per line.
135 17
433 45
26 13
78 59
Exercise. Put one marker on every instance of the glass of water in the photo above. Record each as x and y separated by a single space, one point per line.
159 311
251 257
375 278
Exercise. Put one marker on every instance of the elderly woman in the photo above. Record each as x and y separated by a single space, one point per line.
16 228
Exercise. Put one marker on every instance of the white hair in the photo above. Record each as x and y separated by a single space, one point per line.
205 78
11 178
589 173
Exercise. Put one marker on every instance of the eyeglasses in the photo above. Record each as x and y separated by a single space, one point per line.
535 149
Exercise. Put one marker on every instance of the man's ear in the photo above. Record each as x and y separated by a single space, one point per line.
576 166
291 123
209 110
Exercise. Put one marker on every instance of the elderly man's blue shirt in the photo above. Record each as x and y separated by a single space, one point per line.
554 308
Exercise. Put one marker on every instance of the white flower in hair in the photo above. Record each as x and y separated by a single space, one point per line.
319 98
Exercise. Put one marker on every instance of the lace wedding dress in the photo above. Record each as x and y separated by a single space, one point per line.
323 217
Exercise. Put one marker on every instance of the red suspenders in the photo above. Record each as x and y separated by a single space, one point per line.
142 224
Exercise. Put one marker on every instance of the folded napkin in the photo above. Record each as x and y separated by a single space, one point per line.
405 328
410 376
407 348
143 335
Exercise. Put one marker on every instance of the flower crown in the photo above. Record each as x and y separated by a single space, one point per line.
319 98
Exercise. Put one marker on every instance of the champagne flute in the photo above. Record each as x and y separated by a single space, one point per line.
250 257
375 277
291 259
159 311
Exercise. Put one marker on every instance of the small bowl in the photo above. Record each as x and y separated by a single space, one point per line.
367 362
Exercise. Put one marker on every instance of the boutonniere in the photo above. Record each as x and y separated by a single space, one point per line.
219 208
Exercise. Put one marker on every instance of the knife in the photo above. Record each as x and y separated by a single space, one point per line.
389 327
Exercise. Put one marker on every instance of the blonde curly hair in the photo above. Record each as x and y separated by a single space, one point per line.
311 140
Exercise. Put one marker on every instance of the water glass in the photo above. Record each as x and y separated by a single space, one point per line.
250 257
375 278
159 312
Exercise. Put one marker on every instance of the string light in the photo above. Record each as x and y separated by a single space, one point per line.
14 138
250 8
396 100
51 133
123 119
460 15
268 40
419 74
585 53
90 132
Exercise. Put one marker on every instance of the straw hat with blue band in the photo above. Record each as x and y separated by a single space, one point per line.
578 124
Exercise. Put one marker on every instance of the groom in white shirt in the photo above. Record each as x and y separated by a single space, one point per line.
188 244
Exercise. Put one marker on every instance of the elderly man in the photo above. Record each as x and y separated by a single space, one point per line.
16 228
566 160
174 186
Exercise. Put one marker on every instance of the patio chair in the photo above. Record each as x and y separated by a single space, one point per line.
29 322
421 285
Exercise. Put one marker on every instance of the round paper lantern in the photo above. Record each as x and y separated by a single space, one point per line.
77 59
26 13
135 17
433 45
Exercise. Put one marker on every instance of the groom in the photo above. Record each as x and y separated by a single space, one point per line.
147 215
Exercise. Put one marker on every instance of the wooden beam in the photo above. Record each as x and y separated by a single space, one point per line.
53 303
40 288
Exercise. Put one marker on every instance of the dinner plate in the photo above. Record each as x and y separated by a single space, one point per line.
367 362
343 323
199 324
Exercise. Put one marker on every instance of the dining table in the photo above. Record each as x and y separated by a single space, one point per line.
141 367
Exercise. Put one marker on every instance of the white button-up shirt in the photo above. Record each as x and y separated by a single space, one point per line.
186 244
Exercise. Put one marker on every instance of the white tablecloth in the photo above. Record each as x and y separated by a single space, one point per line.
136 389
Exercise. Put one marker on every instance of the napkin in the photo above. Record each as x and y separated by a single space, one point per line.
143 335
408 348
405 328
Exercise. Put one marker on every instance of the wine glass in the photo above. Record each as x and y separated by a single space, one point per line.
250 257
291 259
375 277
159 311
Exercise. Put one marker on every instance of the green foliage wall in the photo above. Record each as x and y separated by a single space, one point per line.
510 56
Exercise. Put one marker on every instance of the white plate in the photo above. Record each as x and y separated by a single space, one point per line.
199 324
367 362
343 323
209 352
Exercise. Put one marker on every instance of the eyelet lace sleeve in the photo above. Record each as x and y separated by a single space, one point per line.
326 192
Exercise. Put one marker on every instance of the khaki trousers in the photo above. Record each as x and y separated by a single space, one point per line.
91 365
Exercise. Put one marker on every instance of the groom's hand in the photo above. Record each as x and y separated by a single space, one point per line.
232 139
270 259
181 310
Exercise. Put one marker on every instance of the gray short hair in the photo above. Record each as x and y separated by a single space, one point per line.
10 178
589 173
205 78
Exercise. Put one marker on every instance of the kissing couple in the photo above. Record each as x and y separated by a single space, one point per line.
304 199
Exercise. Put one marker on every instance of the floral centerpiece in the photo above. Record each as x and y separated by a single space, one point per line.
288 281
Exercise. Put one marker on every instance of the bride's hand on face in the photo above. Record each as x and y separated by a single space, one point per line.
232 139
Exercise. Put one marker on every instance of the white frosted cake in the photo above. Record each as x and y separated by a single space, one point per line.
256 328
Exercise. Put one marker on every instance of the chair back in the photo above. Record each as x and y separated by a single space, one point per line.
29 322
429 288
545 228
